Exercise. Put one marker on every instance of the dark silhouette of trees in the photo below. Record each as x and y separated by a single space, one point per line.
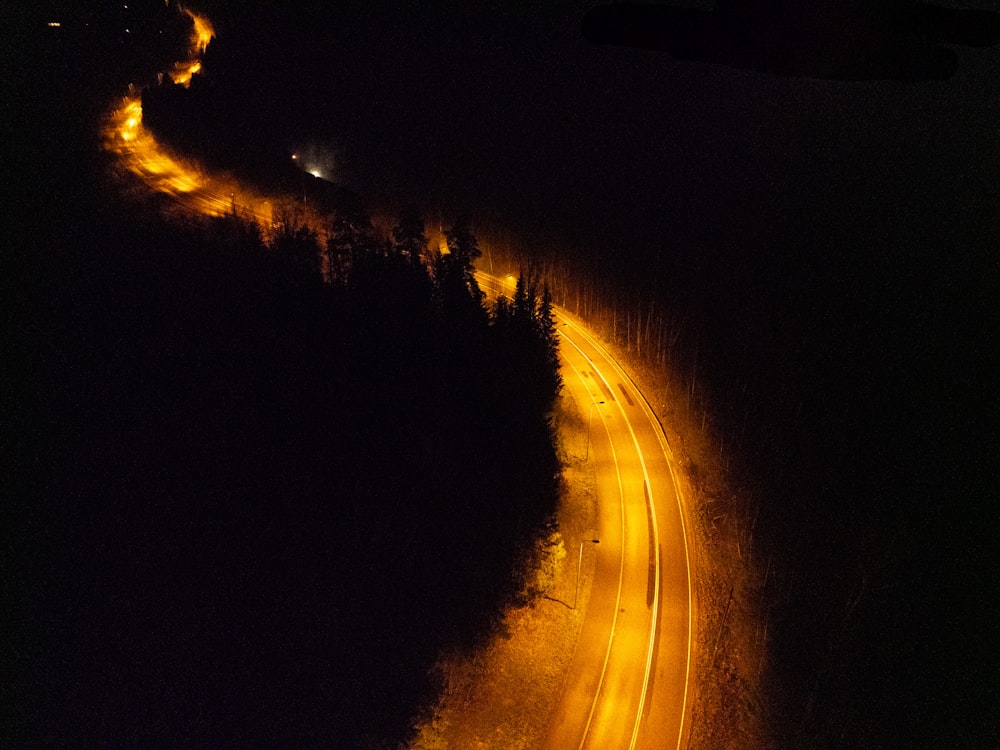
252 484
464 249
459 294
239 233
297 245
408 238
525 329
352 237
546 330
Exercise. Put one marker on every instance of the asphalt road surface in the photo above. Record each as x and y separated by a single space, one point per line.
628 683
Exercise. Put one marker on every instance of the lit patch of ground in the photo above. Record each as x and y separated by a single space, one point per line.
501 696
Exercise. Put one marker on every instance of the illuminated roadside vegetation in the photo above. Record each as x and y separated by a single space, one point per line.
500 693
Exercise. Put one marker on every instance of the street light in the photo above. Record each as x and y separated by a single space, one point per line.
590 420
579 564
509 279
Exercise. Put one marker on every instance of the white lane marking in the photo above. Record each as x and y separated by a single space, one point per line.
654 621
668 455
621 561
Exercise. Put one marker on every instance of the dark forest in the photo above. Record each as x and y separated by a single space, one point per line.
246 505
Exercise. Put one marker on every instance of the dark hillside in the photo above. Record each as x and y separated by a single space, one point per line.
242 506
249 508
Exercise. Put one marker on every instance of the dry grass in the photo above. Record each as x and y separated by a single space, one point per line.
501 696
729 704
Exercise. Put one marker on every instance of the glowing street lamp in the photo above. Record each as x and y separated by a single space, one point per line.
579 565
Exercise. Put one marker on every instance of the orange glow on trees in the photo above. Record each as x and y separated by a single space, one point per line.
201 35
140 153
203 31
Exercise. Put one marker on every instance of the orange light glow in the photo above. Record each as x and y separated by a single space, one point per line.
203 31
142 155
183 72
200 37
191 187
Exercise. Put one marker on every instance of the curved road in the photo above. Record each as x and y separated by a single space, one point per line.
628 682
627 685
138 152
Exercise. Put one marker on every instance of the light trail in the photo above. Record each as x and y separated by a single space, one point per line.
596 370
621 561
654 528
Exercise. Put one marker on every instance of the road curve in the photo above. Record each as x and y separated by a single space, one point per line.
627 685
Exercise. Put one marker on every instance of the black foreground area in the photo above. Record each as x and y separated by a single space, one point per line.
252 508
242 507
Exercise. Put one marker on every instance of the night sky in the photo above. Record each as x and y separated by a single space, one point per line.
835 242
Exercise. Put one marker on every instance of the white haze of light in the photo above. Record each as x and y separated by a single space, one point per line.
317 160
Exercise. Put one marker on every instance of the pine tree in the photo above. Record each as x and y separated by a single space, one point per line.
351 237
546 331
454 275
296 244
502 314
408 238
525 298
464 250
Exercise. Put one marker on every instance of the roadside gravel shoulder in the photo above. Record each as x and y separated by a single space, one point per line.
501 695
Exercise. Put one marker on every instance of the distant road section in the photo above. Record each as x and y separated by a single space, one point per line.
140 153
190 187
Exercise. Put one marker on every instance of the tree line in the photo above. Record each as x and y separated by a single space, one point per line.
258 477
261 479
